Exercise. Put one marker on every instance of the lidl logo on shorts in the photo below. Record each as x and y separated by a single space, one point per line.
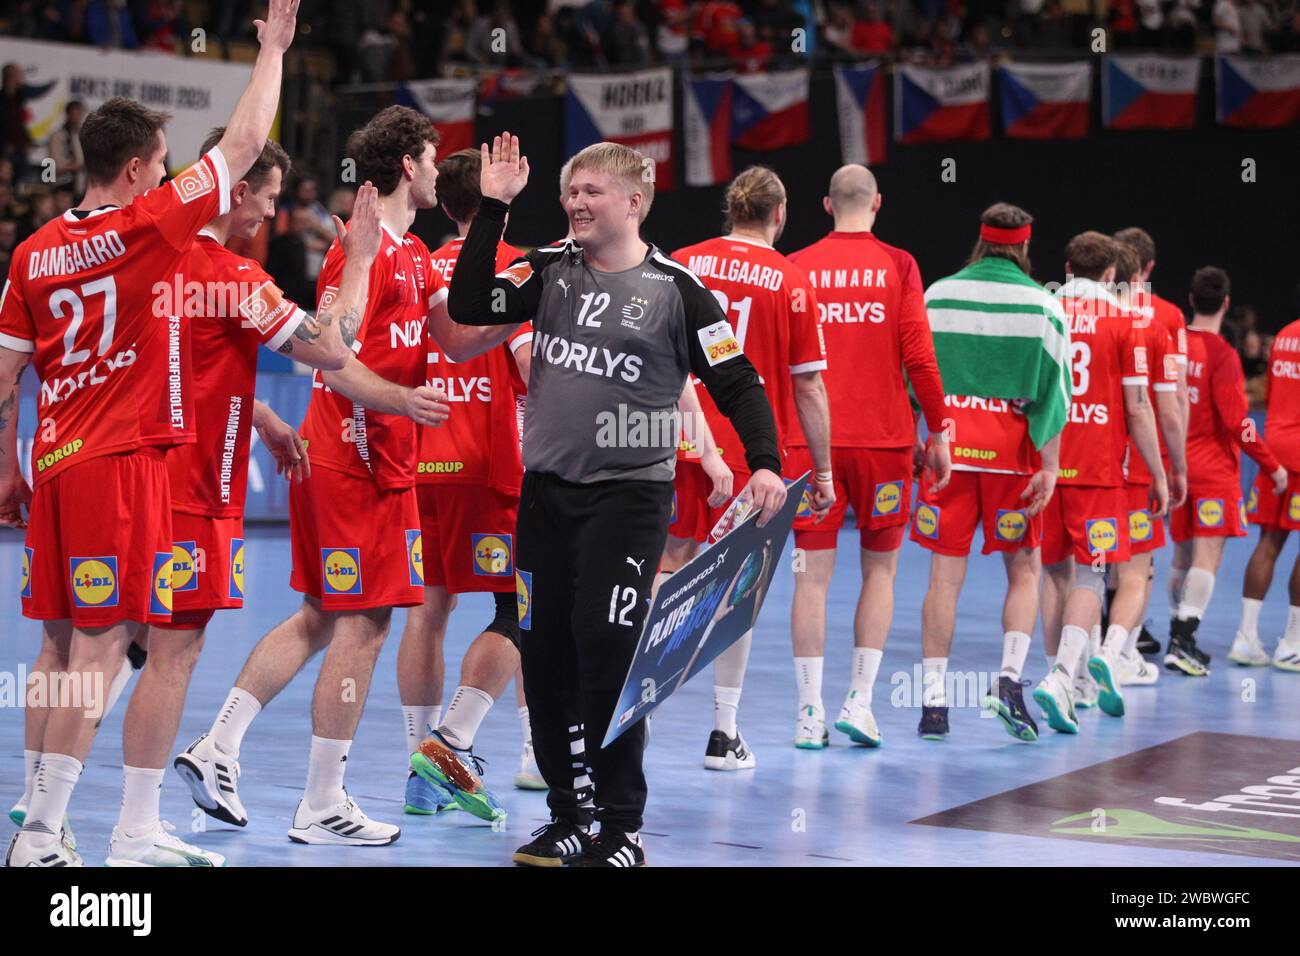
1209 512
1293 508
25 584
415 557
237 569
672 515
524 595
160 595
927 520
94 581
1241 513
184 570
341 570
1010 525
1252 504
1139 525
493 556
889 497
805 506
1102 534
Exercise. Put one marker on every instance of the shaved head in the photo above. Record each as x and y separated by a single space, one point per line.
853 188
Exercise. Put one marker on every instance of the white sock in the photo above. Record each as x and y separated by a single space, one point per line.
468 707
726 700
232 722
117 686
1074 641
325 768
1131 642
51 791
1292 635
141 791
1196 594
1116 638
933 691
1051 663
659 580
808 677
1177 578
729 666
1015 649
525 726
1250 608
866 664
418 719
31 764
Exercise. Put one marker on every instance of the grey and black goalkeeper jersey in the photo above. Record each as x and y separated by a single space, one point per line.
611 352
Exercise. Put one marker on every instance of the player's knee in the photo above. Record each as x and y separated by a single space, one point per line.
506 620
1087 579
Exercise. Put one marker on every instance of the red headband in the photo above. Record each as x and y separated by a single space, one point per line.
1005 237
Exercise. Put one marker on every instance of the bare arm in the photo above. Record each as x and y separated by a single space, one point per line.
13 487
254 114
1169 416
814 416
462 342
364 387
524 360
719 474
1142 426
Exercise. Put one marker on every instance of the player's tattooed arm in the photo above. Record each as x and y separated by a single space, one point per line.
308 331
349 324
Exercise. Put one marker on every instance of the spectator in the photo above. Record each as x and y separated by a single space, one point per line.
13 113
838 31
750 54
64 199
65 149
1150 19
1256 23
1029 18
287 256
317 226
494 38
1181 25
341 202
161 25
717 24
627 43
109 25
775 23
1124 23
671 39
872 34
1227 27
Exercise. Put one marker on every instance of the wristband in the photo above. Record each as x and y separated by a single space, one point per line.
823 477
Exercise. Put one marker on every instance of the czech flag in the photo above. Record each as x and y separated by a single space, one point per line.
450 104
706 106
1258 93
635 109
770 110
1046 100
935 105
860 101
1149 92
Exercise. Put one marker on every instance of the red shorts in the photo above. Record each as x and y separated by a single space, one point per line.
98 547
1085 521
207 568
1145 533
877 482
691 515
1210 513
945 522
469 537
1267 510
355 546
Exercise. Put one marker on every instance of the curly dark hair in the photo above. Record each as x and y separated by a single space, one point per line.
379 146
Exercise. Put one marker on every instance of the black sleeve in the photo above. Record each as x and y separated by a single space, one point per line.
477 295
730 377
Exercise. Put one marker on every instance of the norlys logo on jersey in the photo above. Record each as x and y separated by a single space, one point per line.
409 334
77 909
557 350
471 388
637 428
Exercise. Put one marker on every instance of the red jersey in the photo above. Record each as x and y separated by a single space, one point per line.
1218 429
1283 423
989 434
1171 317
210 477
872 310
775 319
1105 355
479 443
88 294
344 435
1162 366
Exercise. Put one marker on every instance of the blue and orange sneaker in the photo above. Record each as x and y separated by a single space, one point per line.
423 797
458 772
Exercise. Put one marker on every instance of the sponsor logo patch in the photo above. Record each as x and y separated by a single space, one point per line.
518 274
889 498
1139 525
341 570
927 521
415 557
265 307
160 595
719 342
237 568
1011 525
94 581
524 595
1209 512
493 555
1293 508
25 579
1102 535
185 576
194 183
1252 504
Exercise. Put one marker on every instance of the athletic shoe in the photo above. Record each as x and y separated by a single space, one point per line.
1085 688
18 815
728 753
1182 655
1287 657
1248 651
1053 695
458 771
810 731
529 777
934 723
613 848
30 853
212 777
556 844
1146 642
425 798
341 825
157 847
858 722
1134 669
1009 707
1105 674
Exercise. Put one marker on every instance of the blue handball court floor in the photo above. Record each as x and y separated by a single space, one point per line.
1189 777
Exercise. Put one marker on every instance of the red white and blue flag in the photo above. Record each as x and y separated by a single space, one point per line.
706 108
1045 100
860 101
450 104
1261 93
1149 91
936 105
635 109
770 110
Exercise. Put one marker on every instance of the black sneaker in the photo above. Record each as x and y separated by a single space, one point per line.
934 723
556 844
613 848
727 753
1009 707
1146 642
1183 655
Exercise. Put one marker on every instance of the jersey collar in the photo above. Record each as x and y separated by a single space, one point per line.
1078 287
78 215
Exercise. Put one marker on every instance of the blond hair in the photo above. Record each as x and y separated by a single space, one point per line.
624 163
752 197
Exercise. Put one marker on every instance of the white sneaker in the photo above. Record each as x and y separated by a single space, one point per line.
810 731
1136 670
1248 651
728 753
1053 696
529 777
1287 657
341 825
212 777
858 722
1085 688
26 850
157 847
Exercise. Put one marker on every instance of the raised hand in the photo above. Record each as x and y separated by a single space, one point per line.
276 31
505 168
361 238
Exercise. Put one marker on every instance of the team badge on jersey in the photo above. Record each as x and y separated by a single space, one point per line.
1102 535
1293 507
160 595
719 342
236 569
1252 504
341 570
927 520
493 555
185 571
1011 525
195 182
1209 512
1140 359
1139 525
415 557
889 498
25 581
519 273
524 595
264 307
94 581
1171 367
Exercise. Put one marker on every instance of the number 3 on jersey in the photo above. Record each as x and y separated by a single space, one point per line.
1080 357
